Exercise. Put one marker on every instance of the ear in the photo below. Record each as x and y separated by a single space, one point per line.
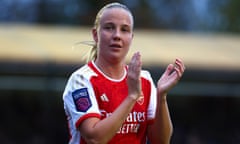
95 35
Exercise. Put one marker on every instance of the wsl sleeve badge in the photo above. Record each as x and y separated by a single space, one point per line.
81 100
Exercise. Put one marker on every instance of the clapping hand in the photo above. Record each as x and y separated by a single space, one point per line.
170 77
133 77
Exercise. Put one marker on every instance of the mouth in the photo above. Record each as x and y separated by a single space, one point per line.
115 46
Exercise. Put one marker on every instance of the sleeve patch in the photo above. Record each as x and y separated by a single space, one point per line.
81 99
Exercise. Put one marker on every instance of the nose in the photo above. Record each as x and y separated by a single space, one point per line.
117 34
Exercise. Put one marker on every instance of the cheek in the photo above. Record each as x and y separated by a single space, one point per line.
129 40
103 37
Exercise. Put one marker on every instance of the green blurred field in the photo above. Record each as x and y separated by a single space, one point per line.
35 43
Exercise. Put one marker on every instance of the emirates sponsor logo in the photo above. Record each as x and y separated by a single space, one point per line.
132 122
129 128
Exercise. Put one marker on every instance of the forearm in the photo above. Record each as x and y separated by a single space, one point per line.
103 130
161 130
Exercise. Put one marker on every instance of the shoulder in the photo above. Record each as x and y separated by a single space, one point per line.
83 72
79 79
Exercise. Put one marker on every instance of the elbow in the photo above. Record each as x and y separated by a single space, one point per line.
162 137
93 134
95 139
167 139
171 131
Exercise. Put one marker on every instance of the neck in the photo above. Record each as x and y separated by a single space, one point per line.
112 70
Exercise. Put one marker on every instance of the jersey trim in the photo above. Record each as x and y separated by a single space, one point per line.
86 116
97 70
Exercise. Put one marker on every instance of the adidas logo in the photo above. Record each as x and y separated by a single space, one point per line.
104 98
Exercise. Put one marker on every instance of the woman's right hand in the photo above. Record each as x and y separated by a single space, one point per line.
133 76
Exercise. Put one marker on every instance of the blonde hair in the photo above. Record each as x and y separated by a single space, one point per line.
93 53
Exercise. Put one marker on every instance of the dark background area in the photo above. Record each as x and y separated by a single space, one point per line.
204 106
186 15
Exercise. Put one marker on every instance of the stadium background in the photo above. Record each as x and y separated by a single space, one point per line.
37 56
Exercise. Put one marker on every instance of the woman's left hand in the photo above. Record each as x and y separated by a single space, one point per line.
170 77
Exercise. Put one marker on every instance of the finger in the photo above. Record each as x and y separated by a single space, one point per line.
178 71
137 56
135 65
180 65
169 69
137 60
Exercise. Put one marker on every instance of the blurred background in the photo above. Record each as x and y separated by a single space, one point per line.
38 52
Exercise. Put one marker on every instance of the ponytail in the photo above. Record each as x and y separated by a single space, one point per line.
91 54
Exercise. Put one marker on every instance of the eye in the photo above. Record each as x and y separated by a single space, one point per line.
126 29
108 27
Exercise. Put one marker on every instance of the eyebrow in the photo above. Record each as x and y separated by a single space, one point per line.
111 23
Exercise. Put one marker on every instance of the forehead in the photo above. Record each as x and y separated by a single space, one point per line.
117 15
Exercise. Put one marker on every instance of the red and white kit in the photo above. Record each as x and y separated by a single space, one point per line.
90 93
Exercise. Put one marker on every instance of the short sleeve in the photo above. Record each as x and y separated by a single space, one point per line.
79 100
153 99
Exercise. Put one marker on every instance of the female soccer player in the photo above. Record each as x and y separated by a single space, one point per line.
108 101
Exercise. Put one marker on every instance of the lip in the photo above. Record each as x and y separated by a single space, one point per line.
115 45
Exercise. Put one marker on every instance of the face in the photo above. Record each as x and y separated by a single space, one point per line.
114 34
